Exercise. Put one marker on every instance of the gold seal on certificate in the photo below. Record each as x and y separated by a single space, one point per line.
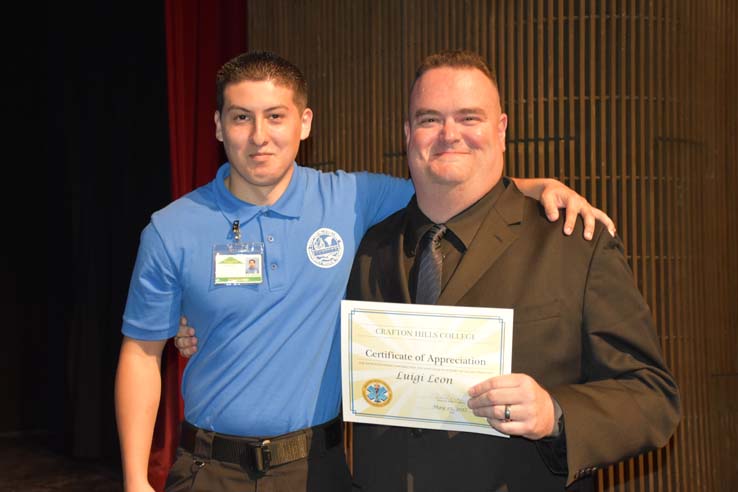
411 365
377 393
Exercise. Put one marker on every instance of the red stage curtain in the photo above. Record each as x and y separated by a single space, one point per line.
200 35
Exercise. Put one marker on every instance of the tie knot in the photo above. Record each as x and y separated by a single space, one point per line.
433 235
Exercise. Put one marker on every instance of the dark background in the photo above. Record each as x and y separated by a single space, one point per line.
100 139
84 100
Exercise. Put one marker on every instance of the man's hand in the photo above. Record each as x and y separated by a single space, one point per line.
554 194
531 409
185 341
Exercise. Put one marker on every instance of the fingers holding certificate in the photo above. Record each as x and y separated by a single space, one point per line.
412 365
514 404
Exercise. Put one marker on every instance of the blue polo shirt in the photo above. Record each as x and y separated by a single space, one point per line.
268 359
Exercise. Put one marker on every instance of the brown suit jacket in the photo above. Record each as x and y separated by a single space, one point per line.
581 329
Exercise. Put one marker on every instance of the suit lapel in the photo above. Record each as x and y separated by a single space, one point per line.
390 269
496 233
398 267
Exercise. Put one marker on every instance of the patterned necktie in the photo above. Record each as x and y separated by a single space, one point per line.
430 266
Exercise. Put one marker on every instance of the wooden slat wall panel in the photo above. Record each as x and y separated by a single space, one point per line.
631 103
350 54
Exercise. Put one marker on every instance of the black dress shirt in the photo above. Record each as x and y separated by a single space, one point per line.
461 231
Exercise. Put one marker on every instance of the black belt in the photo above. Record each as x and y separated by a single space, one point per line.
258 455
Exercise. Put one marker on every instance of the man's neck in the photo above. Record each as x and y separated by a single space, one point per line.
256 195
441 203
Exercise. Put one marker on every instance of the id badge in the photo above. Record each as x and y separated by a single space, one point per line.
238 263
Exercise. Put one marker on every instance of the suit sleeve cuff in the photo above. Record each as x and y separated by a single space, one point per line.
552 448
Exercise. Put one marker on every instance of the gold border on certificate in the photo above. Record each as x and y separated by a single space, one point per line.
411 365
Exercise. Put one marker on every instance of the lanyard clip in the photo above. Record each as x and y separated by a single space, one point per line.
236 229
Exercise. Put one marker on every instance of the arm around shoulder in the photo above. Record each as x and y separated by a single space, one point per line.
382 195
553 195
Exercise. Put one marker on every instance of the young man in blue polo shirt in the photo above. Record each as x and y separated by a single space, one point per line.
262 394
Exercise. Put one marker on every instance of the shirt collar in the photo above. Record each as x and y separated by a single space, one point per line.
464 225
290 204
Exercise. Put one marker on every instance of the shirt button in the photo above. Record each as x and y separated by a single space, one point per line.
270 238
274 266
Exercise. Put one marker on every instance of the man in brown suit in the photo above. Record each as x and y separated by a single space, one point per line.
589 385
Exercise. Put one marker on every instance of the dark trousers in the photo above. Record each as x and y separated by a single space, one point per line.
323 470
398 459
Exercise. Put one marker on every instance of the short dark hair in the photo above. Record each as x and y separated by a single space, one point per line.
454 59
258 66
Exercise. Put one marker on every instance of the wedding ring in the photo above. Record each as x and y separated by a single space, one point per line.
508 418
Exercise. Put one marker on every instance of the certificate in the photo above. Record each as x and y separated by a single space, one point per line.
411 365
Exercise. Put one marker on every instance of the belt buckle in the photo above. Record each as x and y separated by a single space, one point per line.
261 455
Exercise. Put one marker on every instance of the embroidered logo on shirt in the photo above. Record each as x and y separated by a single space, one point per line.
325 248
377 393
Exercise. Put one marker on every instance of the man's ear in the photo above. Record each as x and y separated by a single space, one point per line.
406 128
501 129
218 127
306 123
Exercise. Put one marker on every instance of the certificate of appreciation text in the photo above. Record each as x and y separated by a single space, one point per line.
411 365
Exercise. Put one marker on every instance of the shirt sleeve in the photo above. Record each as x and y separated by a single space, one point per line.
380 195
154 295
